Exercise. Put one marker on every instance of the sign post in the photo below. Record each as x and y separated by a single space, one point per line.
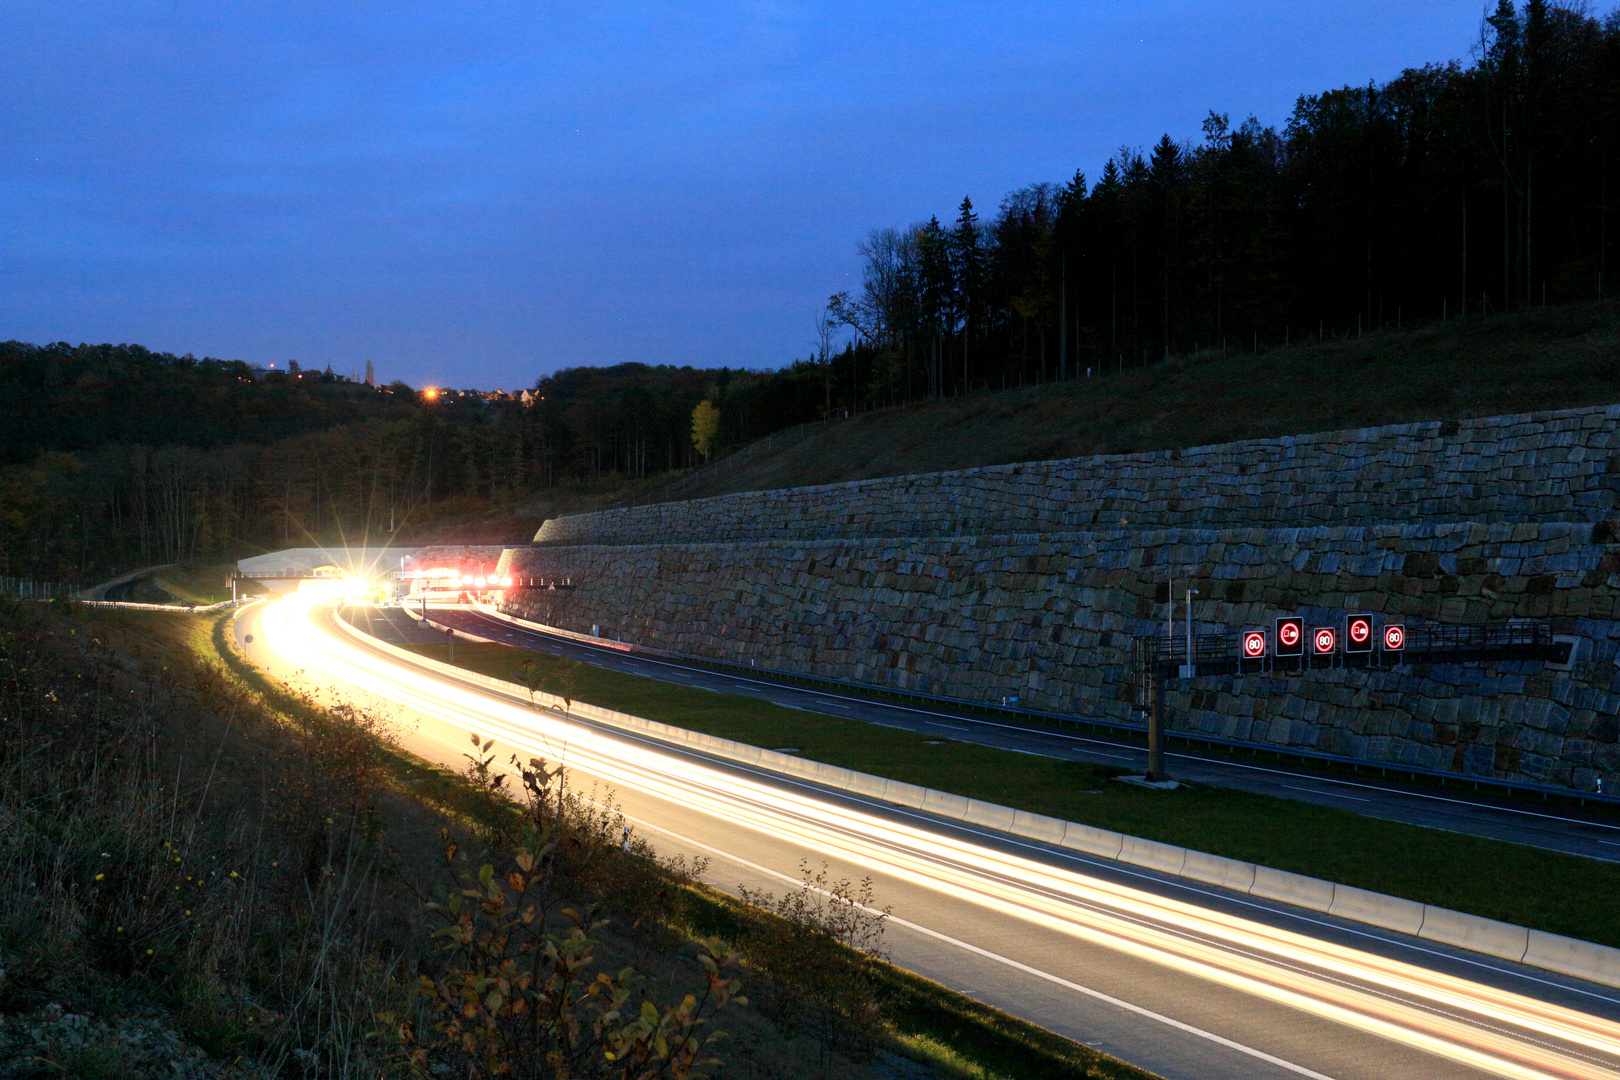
1155 769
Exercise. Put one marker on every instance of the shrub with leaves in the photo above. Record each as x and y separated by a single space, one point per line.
520 993
818 946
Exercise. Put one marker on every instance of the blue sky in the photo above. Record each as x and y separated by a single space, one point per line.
478 194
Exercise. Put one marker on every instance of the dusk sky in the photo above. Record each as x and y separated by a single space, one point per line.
480 194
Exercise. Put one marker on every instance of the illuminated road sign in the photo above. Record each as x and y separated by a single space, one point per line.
1290 637
1254 644
1324 640
1358 634
1394 637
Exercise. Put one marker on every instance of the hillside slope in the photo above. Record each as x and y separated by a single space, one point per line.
1553 358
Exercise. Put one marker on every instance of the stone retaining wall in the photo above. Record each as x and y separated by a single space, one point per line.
1050 616
1537 467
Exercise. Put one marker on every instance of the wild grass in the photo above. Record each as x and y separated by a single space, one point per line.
154 865
196 583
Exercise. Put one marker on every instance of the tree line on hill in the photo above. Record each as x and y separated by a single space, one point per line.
114 456
1448 190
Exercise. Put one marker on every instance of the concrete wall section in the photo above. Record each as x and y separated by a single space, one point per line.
1050 617
1555 466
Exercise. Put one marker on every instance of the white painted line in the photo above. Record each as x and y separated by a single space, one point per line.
1329 794
1016 965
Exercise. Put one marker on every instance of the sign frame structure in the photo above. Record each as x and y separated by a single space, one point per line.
1363 646
1286 627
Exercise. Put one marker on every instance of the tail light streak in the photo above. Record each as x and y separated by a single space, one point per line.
1358 989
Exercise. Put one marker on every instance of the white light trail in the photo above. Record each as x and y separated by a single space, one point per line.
1490 1029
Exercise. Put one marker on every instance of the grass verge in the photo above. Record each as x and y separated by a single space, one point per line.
1562 894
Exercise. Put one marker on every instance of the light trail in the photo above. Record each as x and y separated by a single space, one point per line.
1486 1028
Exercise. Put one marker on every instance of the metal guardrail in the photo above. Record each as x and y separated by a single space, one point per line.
27 589
186 609
542 583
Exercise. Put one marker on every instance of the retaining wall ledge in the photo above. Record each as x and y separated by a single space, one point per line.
1537 948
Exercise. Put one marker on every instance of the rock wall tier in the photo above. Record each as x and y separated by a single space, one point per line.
1536 467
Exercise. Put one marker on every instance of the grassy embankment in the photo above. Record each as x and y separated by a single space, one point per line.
289 752
1553 358
1564 894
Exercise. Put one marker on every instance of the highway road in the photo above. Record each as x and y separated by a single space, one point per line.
1185 980
1594 835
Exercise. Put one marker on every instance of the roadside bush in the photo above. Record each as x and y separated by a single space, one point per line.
519 992
819 947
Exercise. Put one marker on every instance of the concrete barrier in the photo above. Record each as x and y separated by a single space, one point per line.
1092 840
1037 827
944 804
875 787
907 794
1218 870
1296 889
1379 909
1537 948
990 815
1473 932
1569 956
1166 858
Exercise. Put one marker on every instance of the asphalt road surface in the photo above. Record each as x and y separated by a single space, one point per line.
1593 835
1186 980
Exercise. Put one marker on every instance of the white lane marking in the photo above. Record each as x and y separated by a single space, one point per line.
1329 794
1109 999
